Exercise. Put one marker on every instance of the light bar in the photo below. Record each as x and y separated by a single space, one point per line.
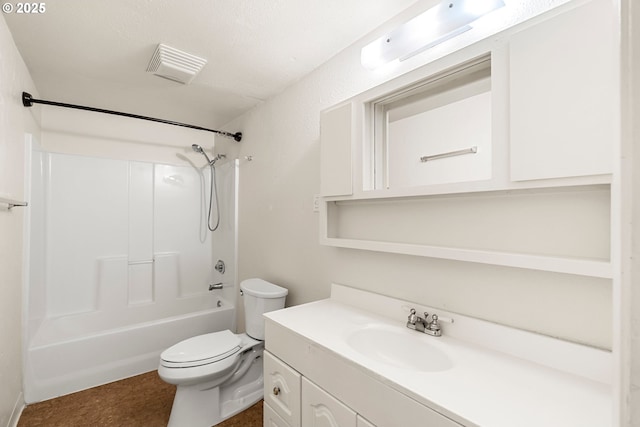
442 22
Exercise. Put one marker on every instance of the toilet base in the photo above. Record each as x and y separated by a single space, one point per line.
200 405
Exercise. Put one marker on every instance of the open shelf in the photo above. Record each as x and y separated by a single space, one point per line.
567 265
561 230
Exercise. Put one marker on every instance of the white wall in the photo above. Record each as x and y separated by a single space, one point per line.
629 298
278 232
15 120
635 276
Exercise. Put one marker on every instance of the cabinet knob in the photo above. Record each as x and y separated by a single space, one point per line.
276 390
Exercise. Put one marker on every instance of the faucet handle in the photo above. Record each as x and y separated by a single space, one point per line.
412 319
434 325
444 319
435 319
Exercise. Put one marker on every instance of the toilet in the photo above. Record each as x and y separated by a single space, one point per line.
220 374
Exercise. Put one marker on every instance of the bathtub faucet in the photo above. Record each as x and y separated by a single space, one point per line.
215 286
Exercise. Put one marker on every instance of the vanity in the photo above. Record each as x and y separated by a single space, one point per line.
350 361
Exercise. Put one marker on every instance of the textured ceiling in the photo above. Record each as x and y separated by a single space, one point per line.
95 52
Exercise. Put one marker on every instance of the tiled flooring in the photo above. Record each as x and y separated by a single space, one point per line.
141 401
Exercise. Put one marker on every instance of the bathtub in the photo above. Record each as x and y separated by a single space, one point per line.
57 366
102 303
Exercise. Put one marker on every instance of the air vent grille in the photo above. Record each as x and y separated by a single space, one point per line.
173 64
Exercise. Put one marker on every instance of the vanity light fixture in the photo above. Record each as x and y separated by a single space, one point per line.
442 22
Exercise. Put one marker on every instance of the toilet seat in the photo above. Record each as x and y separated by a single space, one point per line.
201 350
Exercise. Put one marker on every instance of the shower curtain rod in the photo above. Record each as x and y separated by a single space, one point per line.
28 101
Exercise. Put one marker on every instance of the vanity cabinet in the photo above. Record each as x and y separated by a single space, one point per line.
320 409
271 418
562 96
282 386
492 375
292 400
331 390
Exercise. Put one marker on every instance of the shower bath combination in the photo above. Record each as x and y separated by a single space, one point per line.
214 190
141 285
99 304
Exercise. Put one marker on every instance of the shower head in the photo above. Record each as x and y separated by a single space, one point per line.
198 149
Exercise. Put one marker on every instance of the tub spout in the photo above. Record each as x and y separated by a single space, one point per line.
215 286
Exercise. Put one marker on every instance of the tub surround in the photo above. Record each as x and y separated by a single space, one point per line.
500 376
102 303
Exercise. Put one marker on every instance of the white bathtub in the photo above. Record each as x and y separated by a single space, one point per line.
119 267
56 368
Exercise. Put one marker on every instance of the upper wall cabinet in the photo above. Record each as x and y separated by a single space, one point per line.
434 132
335 151
535 106
562 95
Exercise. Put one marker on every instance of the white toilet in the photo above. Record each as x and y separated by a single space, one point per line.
220 374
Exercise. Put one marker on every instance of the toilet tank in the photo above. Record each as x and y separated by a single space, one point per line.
260 297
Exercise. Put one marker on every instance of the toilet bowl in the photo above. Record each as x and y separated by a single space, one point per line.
220 374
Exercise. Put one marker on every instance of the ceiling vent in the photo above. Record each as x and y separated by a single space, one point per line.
175 65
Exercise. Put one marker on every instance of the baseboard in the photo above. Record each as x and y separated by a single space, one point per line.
17 411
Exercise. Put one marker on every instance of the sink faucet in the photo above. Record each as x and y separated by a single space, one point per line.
420 324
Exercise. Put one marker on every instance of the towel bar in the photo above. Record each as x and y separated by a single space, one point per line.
471 150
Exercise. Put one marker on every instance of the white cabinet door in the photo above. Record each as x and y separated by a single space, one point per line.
271 418
363 423
562 79
335 151
282 389
422 147
320 409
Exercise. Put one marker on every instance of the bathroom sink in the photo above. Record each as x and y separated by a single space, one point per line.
399 349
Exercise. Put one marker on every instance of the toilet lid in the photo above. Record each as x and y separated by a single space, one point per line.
201 350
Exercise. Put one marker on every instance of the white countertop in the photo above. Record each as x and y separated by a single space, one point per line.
484 387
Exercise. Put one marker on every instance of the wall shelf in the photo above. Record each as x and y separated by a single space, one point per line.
577 266
413 226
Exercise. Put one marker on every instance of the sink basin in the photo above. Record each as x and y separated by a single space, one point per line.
399 349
